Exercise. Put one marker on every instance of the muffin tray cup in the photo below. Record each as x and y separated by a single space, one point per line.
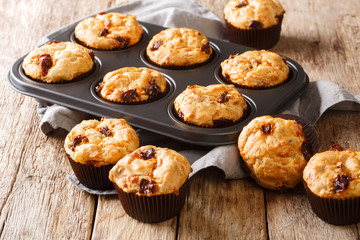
157 116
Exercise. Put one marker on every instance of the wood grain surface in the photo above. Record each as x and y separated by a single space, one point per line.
38 202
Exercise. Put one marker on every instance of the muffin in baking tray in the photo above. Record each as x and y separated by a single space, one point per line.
179 48
274 151
109 31
94 147
151 183
215 105
255 69
332 183
132 85
56 62
254 23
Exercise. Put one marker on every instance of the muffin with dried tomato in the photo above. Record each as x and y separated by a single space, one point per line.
94 147
216 105
254 23
109 31
56 62
255 69
131 85
275 151
151 183
179 48
332 183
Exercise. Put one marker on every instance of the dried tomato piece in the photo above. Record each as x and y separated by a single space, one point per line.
266 128
336 147
341 183
104 32
105 131
128 95
153 89
149 153
227 77
45 63
242 4
53 41
101 13
205 47
124 42
76 141
156 45
255 25
147 186
223 97
306 150
99 87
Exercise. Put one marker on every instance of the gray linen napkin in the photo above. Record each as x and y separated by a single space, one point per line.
320 95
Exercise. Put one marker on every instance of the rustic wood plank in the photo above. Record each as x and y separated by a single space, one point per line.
223 209
111 222
36 200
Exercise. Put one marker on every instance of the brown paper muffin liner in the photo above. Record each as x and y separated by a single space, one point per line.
92 177
310 146
153 209
262 39
220 123
335 211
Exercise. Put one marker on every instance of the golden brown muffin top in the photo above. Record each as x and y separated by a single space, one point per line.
334 173
151 170
203 106
272 150
108 31
102 142
255 69
58 62
253 14
131 84
179 47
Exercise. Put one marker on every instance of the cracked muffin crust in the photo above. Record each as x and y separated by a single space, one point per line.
181 47
151 171
100 143
132 85
58 62
255 69
210 106
273 151
109 31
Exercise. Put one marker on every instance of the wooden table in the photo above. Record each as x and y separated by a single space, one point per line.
38 202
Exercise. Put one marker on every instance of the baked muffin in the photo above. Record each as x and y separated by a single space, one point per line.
179 48
56 62
151 183
215 105
109 31
255 69
94 147
332 183
254 23
132 85
274 151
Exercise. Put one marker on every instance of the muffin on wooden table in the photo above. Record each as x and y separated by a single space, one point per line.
56 62
274 151
332 183
109 31
152 183
255 69
94 147
179 48
254 23
131 85
215 105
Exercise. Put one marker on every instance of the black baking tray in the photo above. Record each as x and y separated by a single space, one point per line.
157 116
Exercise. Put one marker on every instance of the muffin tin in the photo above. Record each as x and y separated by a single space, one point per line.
157 116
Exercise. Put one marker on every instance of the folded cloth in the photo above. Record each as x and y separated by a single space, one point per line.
319 96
